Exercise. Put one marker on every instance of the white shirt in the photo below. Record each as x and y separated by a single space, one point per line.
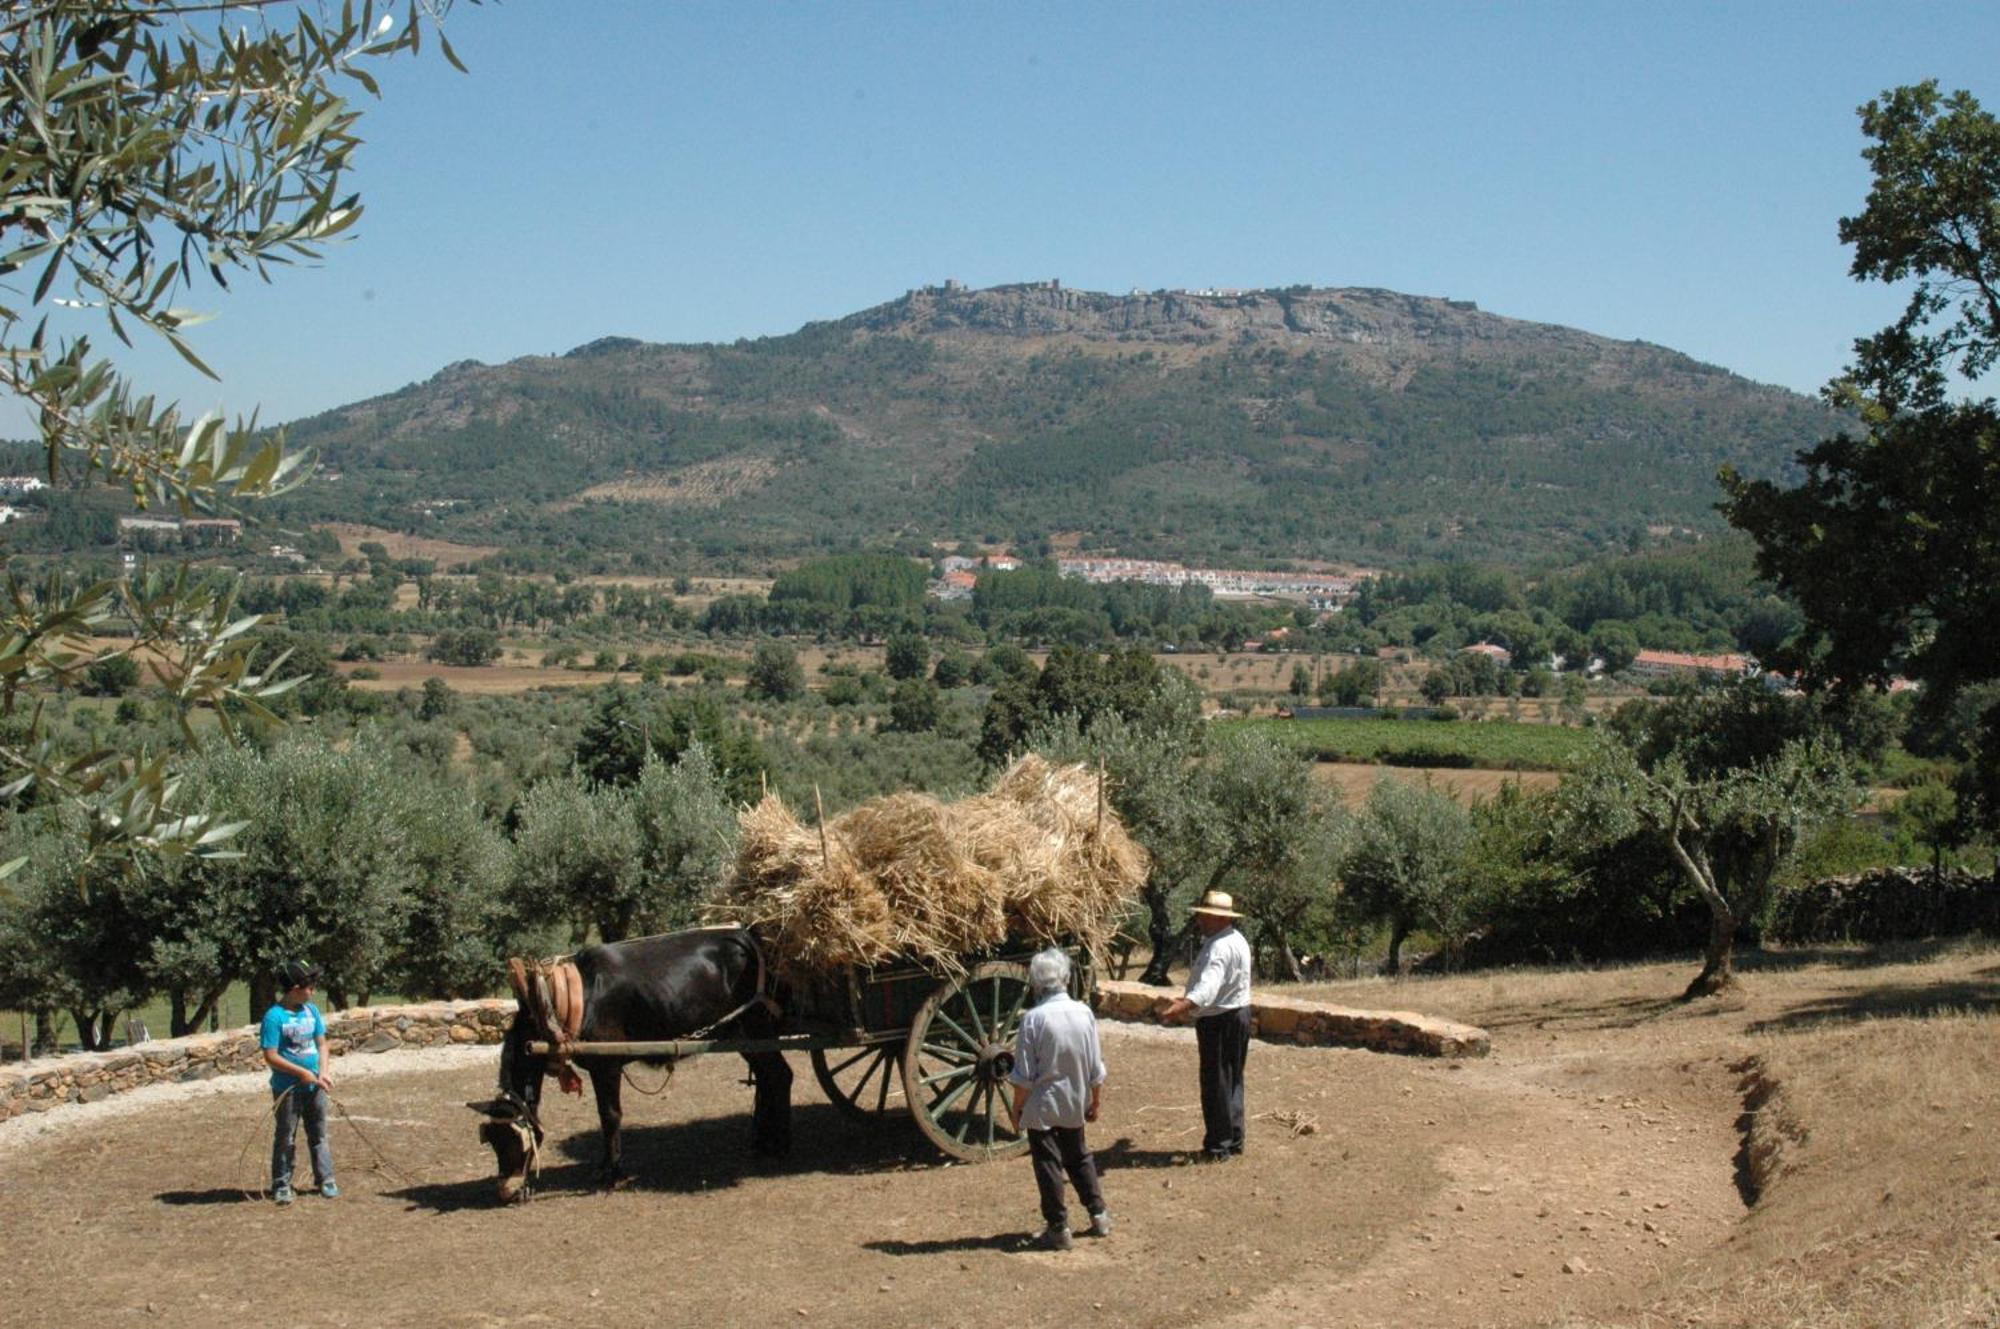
1220 979
1057 1056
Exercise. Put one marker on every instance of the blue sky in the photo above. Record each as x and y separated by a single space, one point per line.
702 172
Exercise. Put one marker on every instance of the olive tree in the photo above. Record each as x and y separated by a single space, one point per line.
1405 864
454 938
322 870
147 144
1730 829
687 836
62 948
576 860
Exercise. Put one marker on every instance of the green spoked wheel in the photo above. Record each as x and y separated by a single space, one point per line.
956 1063
865 1083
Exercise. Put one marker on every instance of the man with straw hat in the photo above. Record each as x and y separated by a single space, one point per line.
1218 993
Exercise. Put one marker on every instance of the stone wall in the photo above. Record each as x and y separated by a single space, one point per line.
85 1077
1295 1020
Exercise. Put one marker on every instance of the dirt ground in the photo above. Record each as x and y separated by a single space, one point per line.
1376 1189
1591 1171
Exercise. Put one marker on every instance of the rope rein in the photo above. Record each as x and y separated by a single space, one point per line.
381 1162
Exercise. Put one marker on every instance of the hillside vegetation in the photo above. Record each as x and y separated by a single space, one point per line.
1241 429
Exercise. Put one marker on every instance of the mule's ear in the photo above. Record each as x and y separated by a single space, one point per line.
501 1108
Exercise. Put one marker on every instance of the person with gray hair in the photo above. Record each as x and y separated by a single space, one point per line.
1058 1080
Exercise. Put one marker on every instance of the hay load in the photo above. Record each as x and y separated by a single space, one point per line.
1039 858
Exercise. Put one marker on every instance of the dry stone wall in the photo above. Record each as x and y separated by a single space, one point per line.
86 1077
1280 1019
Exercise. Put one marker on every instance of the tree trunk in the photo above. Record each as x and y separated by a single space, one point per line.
1399 931
1717 970
1159 935
1718 973
263 995
1288 963
93 1029
184 1022
45 1031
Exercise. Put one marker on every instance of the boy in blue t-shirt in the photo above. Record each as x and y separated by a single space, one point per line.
294 1043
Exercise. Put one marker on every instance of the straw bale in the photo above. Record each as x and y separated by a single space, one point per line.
906 877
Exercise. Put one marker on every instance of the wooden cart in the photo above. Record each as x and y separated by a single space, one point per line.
905 1039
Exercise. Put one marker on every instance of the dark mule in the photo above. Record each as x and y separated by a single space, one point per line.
649 990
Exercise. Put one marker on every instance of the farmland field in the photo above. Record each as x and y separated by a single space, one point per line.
1484 744
1355 781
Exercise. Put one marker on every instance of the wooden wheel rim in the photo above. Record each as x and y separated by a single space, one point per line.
865 1083
955 1065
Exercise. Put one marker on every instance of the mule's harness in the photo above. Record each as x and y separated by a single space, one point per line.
552 992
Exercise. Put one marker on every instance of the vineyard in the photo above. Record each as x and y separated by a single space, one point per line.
1499 745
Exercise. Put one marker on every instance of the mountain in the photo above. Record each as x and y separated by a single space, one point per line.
1213 426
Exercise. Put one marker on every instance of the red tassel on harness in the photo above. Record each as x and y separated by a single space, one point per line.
571 1082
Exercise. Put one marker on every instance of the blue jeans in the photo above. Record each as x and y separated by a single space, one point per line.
307 1102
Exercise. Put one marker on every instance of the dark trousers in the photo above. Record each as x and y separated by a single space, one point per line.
300 1103
1058 1150
1223 1041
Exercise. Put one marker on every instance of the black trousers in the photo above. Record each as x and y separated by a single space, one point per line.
1224 1042
1058 1150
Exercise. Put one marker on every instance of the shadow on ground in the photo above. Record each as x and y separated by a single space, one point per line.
1003 1241
218 1195
1889 1001
705 1154
1619 1013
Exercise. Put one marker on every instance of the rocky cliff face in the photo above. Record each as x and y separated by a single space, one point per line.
1296 317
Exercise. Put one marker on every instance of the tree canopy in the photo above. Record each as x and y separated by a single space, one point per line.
1891 543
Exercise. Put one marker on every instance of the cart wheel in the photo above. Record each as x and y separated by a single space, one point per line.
865 1083
955 1068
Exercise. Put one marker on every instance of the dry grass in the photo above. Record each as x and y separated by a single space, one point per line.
445 554
704 485
1873 1147
498 679
1870 1082
1356 781
906 877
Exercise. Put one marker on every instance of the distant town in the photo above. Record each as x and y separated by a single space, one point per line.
1317 590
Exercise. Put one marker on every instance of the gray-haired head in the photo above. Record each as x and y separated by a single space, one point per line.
1048 972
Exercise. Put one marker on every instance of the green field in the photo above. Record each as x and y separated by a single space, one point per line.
1497 745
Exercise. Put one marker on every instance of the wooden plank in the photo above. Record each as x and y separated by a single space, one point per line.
695 1048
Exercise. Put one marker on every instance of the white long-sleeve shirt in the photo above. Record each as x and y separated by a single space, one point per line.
1056 1055
1220 979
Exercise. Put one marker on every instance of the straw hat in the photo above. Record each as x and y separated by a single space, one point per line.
1217 903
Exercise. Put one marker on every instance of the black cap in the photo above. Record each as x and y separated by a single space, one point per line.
298 974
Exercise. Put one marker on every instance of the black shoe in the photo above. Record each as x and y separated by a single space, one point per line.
1055 1237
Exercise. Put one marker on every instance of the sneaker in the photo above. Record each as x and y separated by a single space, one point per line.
1055 1237
1100 1223
329 1190
281 1193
